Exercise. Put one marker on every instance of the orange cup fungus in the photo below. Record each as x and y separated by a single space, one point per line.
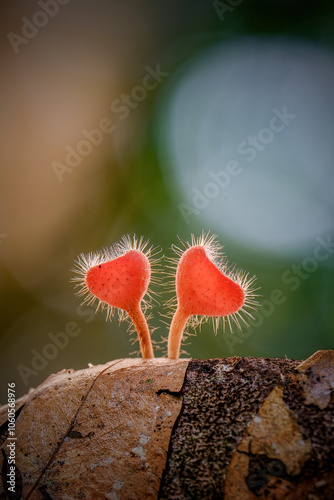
118 278
207 287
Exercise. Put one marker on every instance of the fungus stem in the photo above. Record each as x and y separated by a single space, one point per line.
176 333
140 323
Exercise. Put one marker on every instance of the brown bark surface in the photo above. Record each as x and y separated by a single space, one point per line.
254 428
241 428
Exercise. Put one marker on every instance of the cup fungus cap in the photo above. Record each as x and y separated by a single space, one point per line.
118 278
121 282
207 286
202 289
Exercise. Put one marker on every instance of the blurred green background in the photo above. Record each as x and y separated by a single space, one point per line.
221 72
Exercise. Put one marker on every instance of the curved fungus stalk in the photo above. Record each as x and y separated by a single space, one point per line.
206 286
118 278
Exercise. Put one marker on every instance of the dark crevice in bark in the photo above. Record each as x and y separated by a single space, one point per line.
220 398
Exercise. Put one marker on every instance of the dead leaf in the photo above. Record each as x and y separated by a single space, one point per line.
98 433
274 433
7 479
4 408
317 378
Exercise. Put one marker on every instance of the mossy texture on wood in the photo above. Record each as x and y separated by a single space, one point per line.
213 456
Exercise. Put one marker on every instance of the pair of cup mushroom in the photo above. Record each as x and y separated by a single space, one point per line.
119 277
